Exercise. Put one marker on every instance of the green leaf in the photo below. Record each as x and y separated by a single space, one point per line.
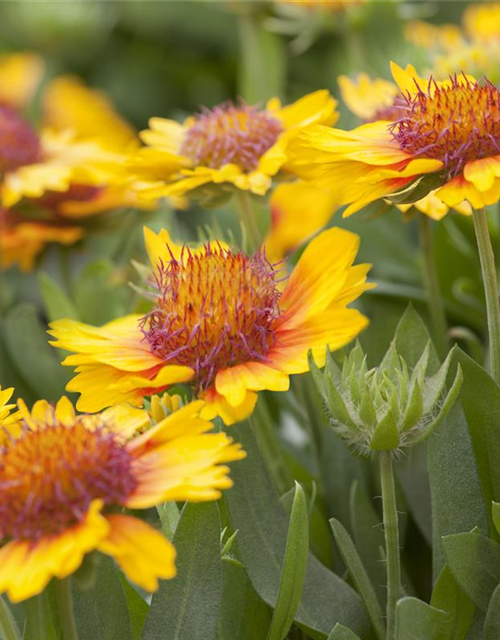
57 304
457 503
294 568
256 512
137 608
474 561
98 297
386 434
359 575
369 538
35 360
413 478
342 633
169 518
481 402
492 622
187 607
418 189
417 619
495 513
101 611
412 338
449 597
243 614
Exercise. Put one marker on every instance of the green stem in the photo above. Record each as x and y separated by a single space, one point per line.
391 531
8 627
490 288
66 613
248 220
35 618
434 297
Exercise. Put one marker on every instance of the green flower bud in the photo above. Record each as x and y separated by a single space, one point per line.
388 407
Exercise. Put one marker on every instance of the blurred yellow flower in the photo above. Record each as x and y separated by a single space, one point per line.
481 21
22 240
298 211
222 323
20 76
237 145
69 168
369 99
449 129
67 104
447 37
63 475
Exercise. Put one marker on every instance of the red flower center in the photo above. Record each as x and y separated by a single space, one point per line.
213 310
19 143
456 123
231 134
49 477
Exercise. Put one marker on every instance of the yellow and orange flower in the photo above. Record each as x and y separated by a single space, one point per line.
231 145
447 140
22 240
298 211
221 322
377 99
68 168
63 475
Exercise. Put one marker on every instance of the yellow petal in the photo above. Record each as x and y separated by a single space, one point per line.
143 553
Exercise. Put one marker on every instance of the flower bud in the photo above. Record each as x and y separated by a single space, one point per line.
388 407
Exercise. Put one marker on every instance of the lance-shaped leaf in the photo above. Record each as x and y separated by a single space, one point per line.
294 568
359 575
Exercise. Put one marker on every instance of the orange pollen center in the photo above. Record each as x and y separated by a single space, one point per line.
231 134
455 123
50 476
213 310
19 143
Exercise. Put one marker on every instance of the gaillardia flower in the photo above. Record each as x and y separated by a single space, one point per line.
233 145
223 323
64 479
379 99
447 139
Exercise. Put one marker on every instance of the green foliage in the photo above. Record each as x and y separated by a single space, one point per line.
293 570
187 607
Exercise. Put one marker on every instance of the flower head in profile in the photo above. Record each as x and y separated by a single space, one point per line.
379 99
223 322
231 145
65 478
447 139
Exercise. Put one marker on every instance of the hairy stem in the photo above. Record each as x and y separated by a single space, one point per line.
391 530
